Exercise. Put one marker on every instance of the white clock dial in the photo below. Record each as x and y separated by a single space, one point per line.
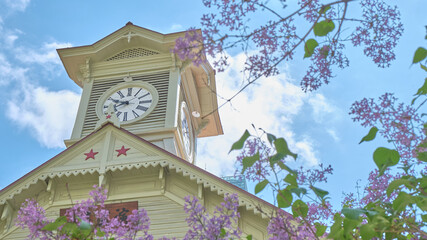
131 101
186 130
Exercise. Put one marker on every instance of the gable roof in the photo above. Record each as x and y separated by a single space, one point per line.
64 164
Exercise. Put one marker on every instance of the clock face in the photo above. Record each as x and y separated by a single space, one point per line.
131 102
186 130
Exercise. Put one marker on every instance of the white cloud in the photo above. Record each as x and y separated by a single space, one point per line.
176 27
272 105
333 134
49 115
47 54
322 109
17 5
9 73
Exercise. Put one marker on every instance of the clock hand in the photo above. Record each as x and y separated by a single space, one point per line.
121 103
114 100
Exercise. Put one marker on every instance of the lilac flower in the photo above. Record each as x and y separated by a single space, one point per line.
380 31
283 227
260 170
398 123
320 71
32 215
203 226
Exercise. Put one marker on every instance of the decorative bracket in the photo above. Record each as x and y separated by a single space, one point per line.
7 214
104 180
200 191
86 70
162 177
51 188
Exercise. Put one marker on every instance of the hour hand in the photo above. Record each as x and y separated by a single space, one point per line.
114 100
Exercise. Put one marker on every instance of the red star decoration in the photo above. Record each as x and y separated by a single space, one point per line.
122 150
90 154
108 116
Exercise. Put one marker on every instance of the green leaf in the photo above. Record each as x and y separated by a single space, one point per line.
285 167
324 9
319 192
424 217
421 202
276 158
56 224
84 225
352 213
99 233
396 184
323 28
249 161
260 186
282 147
309 47
422 156
423 89
249 237
367 232
271 138
349 225
371 135
402 200
299 208
223 233
291 179
299 191
420 54
384 158
70 228
284 198
423 67
336 228
239 144
320 229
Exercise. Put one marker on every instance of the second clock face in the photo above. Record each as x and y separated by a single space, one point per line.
130 101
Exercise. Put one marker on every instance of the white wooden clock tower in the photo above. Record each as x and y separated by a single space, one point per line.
153 94
135 134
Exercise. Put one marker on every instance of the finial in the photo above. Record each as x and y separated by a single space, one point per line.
129 23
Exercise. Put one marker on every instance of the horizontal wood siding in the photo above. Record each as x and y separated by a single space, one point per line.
155 119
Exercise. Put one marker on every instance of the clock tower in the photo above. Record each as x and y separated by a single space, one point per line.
140 114
131 78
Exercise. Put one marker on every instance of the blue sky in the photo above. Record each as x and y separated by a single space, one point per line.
40 101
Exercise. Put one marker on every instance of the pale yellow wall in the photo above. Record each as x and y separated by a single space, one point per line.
165 208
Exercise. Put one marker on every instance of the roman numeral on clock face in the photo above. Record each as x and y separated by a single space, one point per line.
118 113
144 95
145 101
129 91
142 108
121 94
135 114
125 116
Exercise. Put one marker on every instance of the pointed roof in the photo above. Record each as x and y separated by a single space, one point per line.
124 38
69 162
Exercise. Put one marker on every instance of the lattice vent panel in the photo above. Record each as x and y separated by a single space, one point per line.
132 53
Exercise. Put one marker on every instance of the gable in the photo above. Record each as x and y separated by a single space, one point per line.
129 167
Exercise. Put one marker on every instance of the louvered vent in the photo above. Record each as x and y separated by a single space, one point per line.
132 53
154 120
